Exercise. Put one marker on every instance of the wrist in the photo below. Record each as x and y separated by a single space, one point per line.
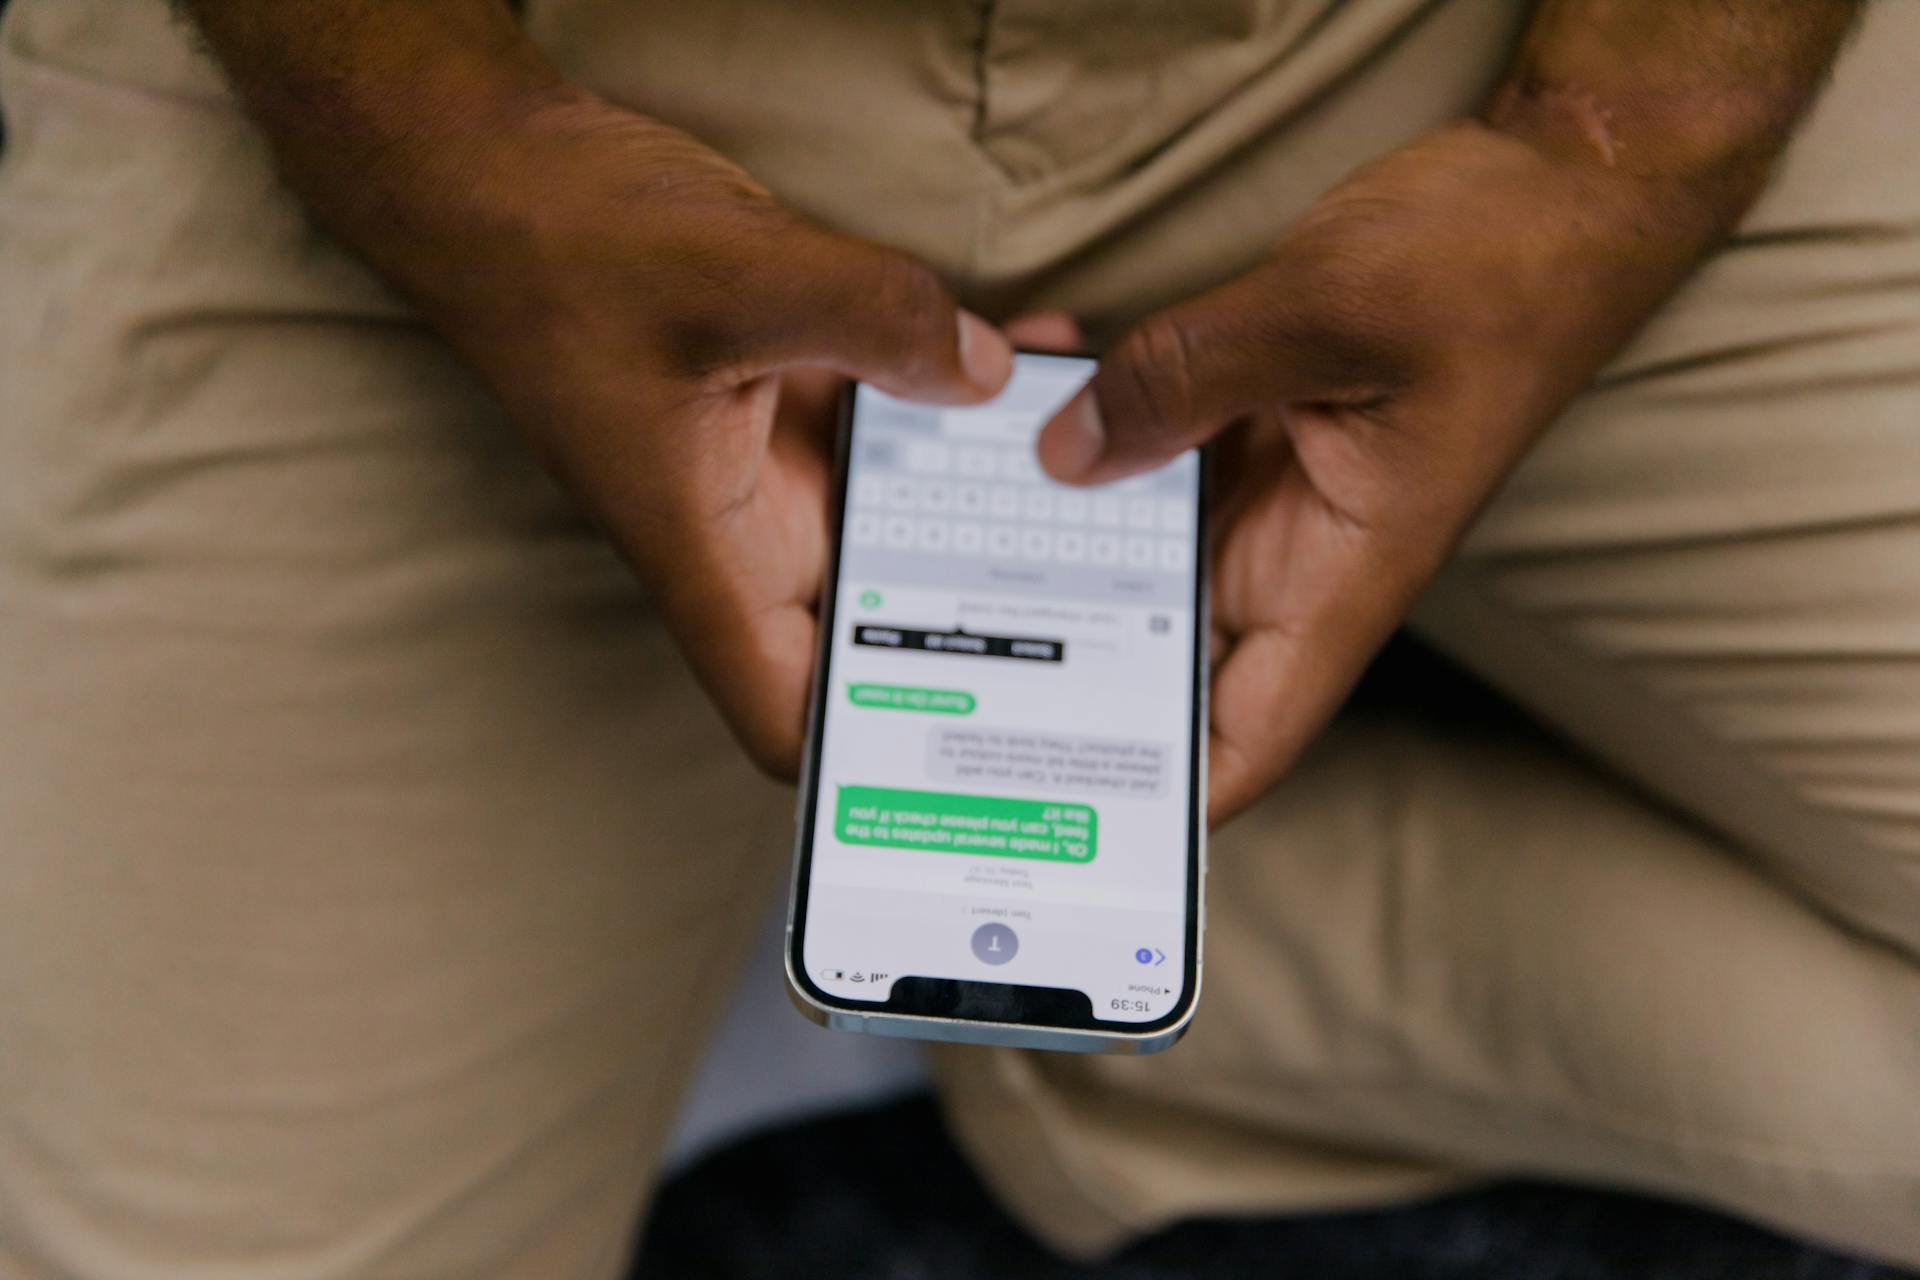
1566 258
1692 100
394 176
378 114
1707 173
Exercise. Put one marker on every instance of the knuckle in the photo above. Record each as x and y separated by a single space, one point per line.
716 299
704 344
776 755
907 308
1156 388
1353 337
702 305
774 749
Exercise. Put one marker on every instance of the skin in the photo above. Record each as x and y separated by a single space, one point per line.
667 335
1370 385
662 331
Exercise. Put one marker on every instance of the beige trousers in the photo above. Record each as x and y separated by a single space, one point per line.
371 868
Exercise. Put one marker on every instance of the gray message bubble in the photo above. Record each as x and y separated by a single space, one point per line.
1060 762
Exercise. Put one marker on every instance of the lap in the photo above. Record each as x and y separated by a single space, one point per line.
1447 949
372 861
327 690
1652 948
1708 573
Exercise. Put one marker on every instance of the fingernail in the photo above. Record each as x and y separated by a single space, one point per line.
985 356
1074 440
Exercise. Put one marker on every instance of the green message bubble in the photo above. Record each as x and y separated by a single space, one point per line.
951 702
947 823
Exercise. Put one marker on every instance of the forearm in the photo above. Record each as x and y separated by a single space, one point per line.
1695 97
362 73
378 110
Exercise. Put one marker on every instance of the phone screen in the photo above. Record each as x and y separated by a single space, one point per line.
1005 761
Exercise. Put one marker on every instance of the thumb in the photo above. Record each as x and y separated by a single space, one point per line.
1184 373
881 316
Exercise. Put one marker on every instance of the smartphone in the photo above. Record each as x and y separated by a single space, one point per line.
1001 835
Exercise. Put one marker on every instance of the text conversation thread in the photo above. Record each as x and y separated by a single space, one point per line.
1006 755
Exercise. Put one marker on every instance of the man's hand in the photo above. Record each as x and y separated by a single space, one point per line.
649 316
634 300
1374 381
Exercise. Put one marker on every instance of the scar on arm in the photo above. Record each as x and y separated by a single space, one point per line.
1563 112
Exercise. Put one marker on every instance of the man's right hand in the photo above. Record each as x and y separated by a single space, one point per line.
634 300
640 306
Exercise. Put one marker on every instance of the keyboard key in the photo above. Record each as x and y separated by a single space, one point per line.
977 463
1002 541
1104 549
1139 552
897 532
870 490
900 493
1072 507
1175 513
1018 465
936 495
969 539
1039 505
970 500
1140 514
1070 545
1004 502
864 529
1106 511
929 457
1175 554
1036 544
932 535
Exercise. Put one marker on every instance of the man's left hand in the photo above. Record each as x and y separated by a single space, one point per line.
1370 386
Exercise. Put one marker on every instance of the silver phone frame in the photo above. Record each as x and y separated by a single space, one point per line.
967 1030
